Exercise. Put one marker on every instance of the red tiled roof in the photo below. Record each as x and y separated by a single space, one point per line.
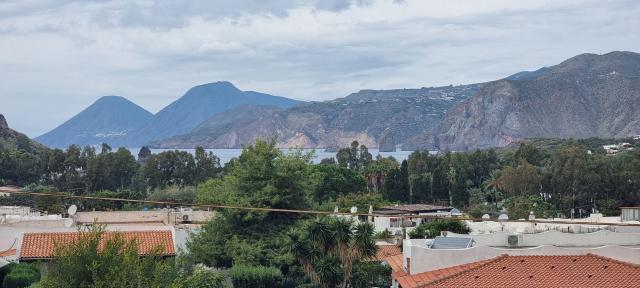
42 245
416 207
385 251
415 280
395 262
543 271
8 253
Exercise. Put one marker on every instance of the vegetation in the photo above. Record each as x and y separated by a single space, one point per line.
567 178
255 276
200 278
328 248
20 275
432 229
111 262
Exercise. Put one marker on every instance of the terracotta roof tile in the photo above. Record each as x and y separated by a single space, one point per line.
416 207
8 253
385 251
543 271
42 245
395 262
415 280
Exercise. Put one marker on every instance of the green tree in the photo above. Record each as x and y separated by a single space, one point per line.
200 278
525 179
332 181
262 176
368 274
434 228
207 165
91 261
396 186
255 276
21 275
328 249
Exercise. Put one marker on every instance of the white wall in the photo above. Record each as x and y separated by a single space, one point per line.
598 238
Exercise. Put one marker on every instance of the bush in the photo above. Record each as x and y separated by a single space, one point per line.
371 274
21 275
255 276
434 228
200 278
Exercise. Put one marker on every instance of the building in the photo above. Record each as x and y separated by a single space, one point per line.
395 218
630 214
41 245
613 149
428 262
530 271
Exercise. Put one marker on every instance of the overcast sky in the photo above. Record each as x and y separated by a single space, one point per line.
57 57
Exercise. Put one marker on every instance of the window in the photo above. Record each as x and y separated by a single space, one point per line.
395 222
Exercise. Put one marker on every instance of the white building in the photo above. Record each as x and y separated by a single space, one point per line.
395 218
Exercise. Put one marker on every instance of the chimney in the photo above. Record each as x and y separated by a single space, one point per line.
408 265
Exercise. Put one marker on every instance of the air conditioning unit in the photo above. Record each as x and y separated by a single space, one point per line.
186 218
514 240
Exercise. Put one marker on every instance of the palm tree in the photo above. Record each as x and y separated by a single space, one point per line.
493 184
328 248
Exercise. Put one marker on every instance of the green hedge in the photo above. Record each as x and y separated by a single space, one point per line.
432 229
21 275
255 276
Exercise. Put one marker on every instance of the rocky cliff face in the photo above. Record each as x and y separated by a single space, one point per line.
387 143
14 140
362 116
586 96
3 122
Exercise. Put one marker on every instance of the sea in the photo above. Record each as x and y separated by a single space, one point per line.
226 154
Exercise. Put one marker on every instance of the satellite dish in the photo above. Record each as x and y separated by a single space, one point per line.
486 217
72 210
503 217
354 209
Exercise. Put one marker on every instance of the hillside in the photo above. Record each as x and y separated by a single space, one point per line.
586 96
363 116
14 140
199 104
207 133
111 119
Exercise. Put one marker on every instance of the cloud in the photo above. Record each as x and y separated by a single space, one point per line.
57 57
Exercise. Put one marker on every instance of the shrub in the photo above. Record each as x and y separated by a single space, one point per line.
371 274
200 278
255 276
433 228
21 275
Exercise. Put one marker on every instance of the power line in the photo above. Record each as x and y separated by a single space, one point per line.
296 211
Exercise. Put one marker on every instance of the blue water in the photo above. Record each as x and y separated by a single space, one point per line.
226 154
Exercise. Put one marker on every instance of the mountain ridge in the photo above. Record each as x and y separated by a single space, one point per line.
197 105
588 95
110 119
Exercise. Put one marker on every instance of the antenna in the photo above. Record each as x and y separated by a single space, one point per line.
72 210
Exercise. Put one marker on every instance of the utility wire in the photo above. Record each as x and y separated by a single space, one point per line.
295 211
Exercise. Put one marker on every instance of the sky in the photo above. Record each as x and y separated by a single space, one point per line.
57 56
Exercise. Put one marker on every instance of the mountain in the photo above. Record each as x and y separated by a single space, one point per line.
14 140
365 116
208 133
586 96
199 104
111 119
